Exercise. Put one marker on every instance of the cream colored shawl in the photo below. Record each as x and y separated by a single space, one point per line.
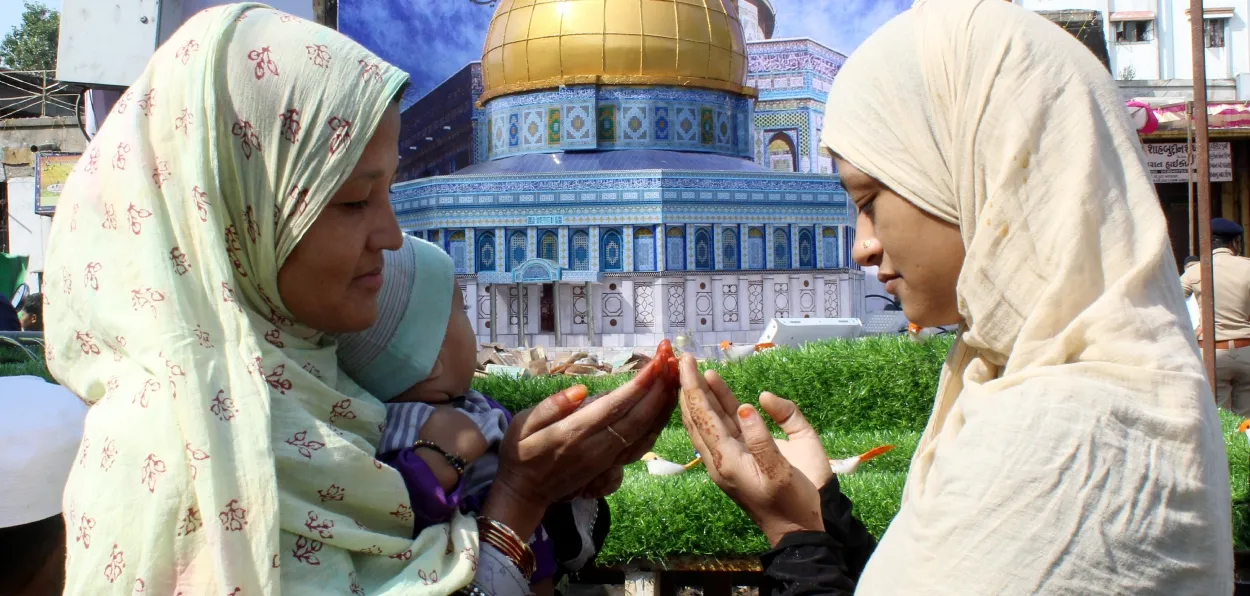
224 453
1074 446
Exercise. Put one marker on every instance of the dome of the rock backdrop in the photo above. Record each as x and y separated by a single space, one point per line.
617 171
542 44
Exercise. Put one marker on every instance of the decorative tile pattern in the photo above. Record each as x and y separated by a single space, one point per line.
755 302
483 306
535 128
687 125
580 305
514 130
807 300
513 307
661 123
553 127
613 304
644 305
703 303
707 126
729 303
781 300
831 298
580 259
635 125
677 306
607 124
579 127
723 129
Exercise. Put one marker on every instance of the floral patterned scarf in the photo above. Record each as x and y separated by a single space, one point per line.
224 452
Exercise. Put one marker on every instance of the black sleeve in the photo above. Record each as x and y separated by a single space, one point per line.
828 562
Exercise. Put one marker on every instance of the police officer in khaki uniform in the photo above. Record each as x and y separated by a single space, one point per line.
1232 314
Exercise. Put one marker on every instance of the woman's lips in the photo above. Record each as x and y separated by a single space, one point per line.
371 281
892 285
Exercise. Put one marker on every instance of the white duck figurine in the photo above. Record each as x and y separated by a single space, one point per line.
658 466
1243 427
734 353
850 465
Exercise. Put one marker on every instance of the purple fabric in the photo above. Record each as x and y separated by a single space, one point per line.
432 505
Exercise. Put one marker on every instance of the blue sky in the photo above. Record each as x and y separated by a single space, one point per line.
438 37
432 39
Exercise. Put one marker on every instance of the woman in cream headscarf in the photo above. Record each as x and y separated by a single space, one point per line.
231 212
1074 447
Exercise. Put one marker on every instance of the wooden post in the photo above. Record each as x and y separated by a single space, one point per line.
1202 144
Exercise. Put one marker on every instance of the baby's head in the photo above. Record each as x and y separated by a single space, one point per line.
422 346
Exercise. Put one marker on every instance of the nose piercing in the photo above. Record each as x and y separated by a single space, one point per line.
866 244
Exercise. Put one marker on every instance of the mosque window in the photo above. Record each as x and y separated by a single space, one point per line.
644 249
486 252
611 252
729 248
755 248
675 249
548 246
516 249
434 238
458 251
781 153
829 246
703 249
807 249
581 250
781 249
417 234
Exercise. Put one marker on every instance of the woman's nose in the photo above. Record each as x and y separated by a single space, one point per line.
867 249
386 233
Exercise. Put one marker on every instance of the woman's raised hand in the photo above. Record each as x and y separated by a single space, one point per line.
744 460
562 447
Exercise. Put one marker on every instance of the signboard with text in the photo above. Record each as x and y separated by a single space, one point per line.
51 171
1168 161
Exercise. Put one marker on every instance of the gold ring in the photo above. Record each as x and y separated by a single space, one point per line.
618 435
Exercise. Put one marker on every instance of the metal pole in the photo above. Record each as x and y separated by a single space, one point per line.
1198 51
1191 228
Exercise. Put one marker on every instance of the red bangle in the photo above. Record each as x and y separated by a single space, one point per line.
507 541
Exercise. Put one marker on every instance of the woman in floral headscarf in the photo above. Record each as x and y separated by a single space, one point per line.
232 211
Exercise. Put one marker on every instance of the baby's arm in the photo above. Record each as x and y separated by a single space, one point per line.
454 433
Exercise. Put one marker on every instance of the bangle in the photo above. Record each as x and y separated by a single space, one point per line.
453 460
506 541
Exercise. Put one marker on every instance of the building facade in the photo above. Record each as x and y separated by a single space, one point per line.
625 190
1149 45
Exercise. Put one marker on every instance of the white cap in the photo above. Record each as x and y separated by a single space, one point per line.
40 429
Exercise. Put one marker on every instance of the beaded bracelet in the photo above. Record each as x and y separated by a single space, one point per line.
455 461
507 541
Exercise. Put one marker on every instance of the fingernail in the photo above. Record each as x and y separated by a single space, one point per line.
744 411
576 393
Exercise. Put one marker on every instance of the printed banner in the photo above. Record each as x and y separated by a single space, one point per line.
1167 162
51 171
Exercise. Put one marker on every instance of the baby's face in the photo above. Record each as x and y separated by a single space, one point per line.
452 374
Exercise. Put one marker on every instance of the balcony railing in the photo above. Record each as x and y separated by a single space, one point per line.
32 93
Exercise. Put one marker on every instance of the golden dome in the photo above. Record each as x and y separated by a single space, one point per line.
542 44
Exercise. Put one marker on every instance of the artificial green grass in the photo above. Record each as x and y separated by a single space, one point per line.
860 394
877 383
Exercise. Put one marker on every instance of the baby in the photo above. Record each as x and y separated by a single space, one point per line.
442 436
